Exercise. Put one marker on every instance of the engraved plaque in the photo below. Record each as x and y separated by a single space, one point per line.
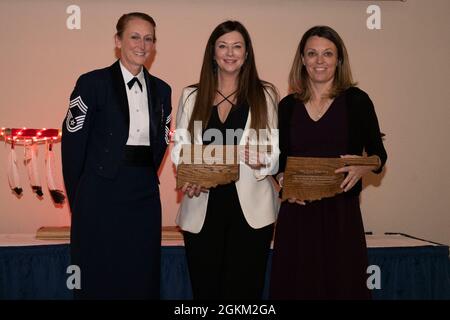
314 178
211 165
208 165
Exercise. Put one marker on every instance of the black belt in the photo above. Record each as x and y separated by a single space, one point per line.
140 156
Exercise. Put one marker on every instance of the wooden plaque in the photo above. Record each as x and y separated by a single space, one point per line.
211 165
314 178
53 233
208 165
63 233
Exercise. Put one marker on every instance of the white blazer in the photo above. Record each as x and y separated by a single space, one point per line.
257 195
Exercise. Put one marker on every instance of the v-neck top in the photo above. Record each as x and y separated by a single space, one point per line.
326 137
236 119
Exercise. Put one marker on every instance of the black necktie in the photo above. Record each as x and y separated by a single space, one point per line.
132 81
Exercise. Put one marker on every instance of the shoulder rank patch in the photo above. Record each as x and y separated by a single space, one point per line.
76 114
167 129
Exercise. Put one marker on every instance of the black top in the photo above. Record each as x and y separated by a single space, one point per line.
358 122
236 119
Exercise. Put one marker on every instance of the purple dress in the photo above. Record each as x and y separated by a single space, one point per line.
320 249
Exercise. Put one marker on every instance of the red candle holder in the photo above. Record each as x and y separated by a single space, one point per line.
25 136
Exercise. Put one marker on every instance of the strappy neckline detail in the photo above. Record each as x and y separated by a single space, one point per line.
225 98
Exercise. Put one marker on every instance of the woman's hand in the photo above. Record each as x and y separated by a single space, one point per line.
294 200
354 173
280 179
193 190
254 160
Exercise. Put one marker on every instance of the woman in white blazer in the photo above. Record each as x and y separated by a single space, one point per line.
228 229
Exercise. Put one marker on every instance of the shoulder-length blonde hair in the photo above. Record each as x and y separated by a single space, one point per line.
299 83
250 87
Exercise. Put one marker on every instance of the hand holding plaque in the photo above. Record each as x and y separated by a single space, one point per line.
314 178
211 165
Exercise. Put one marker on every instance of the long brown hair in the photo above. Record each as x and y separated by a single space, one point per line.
299 78
250 87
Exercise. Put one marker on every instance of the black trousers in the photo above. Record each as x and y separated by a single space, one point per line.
228 258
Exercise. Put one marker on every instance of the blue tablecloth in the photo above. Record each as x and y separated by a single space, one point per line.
39 272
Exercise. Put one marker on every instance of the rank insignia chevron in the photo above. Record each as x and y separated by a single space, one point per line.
76 114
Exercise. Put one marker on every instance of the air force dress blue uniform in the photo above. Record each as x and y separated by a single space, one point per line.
112 188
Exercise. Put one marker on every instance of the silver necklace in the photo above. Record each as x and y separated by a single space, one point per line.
319 112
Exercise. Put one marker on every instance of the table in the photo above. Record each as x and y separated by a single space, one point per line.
411 268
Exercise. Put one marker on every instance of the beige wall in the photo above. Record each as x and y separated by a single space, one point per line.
404 68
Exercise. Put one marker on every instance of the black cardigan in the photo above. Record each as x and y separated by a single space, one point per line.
364 131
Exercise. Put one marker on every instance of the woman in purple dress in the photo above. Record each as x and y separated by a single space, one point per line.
320 250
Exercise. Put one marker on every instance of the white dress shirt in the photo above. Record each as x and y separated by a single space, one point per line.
139 133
